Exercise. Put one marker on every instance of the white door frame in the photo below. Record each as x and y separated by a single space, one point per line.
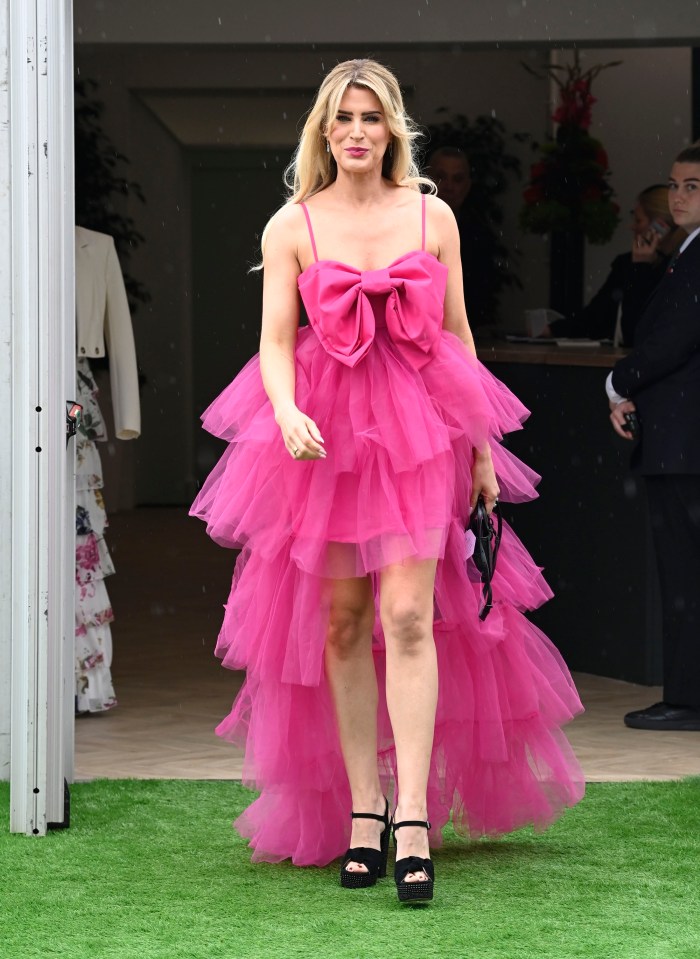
40 334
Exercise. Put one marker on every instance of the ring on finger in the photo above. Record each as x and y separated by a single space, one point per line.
295 451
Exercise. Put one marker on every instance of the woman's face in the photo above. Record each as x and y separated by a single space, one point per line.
359 135
640 223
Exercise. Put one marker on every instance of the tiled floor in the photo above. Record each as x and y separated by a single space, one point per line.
170 585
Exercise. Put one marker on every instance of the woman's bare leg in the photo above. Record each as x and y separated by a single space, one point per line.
411 690
353 683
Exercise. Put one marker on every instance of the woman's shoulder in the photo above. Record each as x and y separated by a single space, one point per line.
621 261
441 221
438 209
282 236
285 223
287 216
437 212
433 201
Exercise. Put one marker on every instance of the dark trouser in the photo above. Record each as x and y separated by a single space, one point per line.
674 507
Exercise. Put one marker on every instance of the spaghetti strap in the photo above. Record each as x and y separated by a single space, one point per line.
311 232
422 203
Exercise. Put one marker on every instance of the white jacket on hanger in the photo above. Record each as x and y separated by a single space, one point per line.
102 313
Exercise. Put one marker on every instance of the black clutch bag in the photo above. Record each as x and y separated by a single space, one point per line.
488 539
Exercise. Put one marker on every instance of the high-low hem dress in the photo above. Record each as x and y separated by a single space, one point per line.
401 405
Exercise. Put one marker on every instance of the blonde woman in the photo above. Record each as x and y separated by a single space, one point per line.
615 310
358 446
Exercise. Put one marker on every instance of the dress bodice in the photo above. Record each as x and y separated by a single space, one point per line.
346 306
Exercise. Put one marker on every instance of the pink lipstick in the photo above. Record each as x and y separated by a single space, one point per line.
356 151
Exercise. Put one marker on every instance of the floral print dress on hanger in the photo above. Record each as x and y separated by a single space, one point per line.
94 692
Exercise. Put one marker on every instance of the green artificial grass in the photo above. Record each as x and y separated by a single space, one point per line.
153 870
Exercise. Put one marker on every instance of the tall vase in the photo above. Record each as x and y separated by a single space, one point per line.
566 271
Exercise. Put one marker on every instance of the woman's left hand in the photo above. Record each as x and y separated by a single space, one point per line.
484 480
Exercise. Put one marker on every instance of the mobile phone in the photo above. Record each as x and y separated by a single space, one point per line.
631 424
661 227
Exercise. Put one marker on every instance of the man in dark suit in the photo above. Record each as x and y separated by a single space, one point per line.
450 169
659 381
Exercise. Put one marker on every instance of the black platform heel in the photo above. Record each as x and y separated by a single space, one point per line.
373 859
413 891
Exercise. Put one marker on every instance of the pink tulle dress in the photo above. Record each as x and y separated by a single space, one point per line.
401 404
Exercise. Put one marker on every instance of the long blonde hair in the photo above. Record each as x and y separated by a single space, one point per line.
654 202
313 168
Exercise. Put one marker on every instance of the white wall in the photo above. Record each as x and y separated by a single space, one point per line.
388 22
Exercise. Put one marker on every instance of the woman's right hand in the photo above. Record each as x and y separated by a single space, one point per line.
645 249
301 435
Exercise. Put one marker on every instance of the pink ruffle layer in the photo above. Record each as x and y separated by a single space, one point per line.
395 485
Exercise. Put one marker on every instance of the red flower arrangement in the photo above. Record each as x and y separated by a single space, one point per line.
569 187
576 103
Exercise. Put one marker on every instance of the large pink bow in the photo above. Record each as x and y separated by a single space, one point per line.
336 297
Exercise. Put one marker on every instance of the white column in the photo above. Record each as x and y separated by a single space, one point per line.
5 399
42 379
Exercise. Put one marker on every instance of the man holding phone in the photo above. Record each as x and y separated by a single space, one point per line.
655 392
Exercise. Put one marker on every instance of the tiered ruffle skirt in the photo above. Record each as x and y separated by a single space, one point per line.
395 486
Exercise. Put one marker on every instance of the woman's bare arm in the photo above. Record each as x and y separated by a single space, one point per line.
280 323
444 229
484 480
280 316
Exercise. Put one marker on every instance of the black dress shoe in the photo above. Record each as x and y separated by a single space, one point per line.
665 716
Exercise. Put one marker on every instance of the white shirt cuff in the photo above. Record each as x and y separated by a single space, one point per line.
612 395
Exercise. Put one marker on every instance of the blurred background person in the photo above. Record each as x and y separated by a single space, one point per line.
614 311
449 167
